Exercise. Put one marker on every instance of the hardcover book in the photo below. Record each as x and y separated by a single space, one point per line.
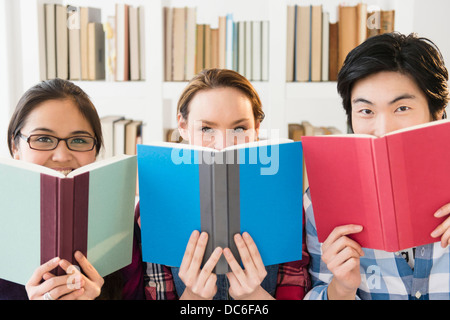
255 187
44 214
391 185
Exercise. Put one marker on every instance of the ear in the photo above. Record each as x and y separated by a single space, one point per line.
257 126
15 151
441 114
183 127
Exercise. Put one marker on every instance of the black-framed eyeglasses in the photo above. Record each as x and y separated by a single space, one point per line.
44 142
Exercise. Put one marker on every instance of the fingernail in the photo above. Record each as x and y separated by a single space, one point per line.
435 233
438 213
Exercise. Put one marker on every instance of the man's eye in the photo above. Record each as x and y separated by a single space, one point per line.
366 112
403 108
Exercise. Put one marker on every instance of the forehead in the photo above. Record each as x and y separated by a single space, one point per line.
60 116
385 86
220 102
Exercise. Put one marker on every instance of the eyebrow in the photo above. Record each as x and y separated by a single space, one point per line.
233 123
77 132
401 97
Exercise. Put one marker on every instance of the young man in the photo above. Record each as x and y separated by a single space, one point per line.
389 82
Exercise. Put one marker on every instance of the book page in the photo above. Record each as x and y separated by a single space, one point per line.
30 167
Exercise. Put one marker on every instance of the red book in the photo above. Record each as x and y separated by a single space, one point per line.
391 185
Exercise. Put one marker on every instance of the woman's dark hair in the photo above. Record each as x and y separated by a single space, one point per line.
55 89
410 55
219 78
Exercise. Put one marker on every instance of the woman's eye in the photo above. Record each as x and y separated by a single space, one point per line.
78 141
239 129
207 130
43 139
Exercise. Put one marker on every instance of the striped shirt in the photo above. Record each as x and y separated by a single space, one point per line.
384 275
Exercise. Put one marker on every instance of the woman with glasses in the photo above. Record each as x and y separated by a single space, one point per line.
56 125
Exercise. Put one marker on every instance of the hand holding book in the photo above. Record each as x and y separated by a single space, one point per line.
443 230
201 281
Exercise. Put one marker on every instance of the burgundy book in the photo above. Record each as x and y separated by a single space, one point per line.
44 214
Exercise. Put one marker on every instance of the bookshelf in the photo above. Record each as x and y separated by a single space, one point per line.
154 100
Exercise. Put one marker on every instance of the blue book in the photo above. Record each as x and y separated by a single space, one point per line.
255 187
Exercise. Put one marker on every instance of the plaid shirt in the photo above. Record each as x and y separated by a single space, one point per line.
292 284
384 275
293 280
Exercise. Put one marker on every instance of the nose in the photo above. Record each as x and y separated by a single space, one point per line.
383 125
62 153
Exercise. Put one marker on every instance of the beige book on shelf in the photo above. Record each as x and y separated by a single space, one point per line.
179 46
142 65
290 41
122 43
348 34
50 40
325 46
207 49
191 39
361 18
214 48
133 20
96 51
373 23
241 48
222 41
387 21
200 48
316 43
120 136
73 24
62 43
87 15
168 44
110 48
132 136
303 44
333 51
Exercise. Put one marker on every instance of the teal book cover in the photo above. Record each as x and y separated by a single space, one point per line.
255 187
44 214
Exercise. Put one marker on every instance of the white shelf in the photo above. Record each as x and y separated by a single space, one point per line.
154 101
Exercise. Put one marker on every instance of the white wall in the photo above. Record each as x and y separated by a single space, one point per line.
431 20
5 74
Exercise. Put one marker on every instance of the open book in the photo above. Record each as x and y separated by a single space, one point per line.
255 187
391 185
44 214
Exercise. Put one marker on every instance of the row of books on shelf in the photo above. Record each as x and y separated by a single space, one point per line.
316 47
80 46
120 135
190 47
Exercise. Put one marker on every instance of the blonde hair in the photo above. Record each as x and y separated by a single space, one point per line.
219 78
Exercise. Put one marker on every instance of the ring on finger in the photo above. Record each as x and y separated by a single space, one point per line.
48 296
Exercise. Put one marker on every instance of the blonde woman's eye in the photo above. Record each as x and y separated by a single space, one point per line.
239 129
207 130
